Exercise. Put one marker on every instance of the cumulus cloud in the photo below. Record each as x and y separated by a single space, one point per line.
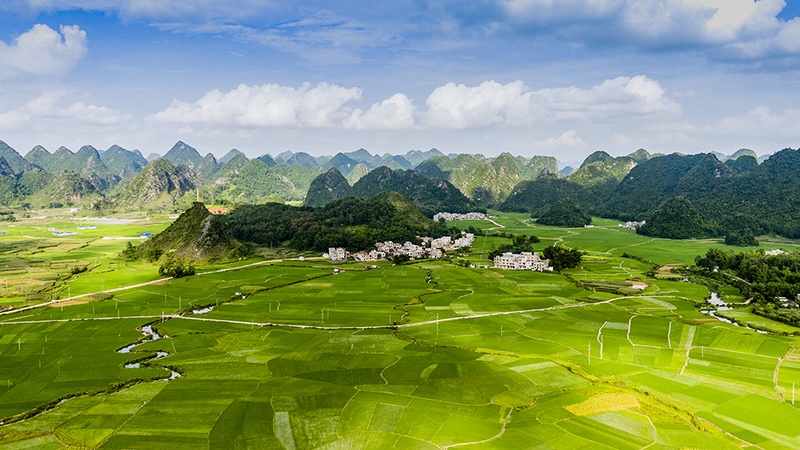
762 122
268 105
543 11
49 108
567 139
492 103
395 113
42 50
735 28
459 106
453 106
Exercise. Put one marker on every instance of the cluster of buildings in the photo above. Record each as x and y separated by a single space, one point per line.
522 261
448 243
455 216
433 248
632 225
413 251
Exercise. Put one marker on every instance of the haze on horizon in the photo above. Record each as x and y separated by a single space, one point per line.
525 76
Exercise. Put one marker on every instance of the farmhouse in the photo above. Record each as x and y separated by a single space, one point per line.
448 243
522 261
372 255
413 251
632 225
337 254
455 216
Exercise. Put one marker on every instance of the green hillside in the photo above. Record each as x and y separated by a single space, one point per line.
196 235
326 188
353 223
159 184
430 196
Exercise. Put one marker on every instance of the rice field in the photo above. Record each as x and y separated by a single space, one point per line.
290 354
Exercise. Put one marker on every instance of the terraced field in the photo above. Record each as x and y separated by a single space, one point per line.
425 355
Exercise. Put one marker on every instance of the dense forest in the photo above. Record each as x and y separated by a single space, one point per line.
352 223
677 218
564 213
764 279
429 195
731 198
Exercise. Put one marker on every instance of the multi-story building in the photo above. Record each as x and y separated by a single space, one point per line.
522 261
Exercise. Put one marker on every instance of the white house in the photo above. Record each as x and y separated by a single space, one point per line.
338 254
522 261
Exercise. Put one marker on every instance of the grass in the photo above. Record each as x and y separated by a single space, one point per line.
284 358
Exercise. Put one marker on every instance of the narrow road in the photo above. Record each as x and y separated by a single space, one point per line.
125 288
320 327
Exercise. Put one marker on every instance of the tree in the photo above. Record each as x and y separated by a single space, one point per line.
562 257
175 267
400 259
564 213
676 219
741 238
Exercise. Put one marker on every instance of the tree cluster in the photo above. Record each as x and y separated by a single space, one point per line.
175 267
563 258
519 243
564 213
677 219
352 223
731 197
741 238
759 276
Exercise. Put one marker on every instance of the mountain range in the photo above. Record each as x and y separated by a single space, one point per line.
731 191
101 179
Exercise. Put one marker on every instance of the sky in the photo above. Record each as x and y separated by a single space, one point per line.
530 77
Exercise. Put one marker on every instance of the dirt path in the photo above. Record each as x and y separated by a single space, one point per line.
125 288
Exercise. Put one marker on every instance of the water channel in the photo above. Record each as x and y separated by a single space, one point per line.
722 306
150 335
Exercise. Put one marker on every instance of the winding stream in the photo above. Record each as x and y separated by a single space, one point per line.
722 306
150 335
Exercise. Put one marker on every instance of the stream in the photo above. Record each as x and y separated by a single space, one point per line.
722 306
151 336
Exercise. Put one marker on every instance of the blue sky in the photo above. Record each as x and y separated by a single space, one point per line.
561 78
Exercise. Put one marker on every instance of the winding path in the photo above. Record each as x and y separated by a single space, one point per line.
125 288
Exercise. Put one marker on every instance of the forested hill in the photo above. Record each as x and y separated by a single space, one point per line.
196 235
353 223
732 196
429 195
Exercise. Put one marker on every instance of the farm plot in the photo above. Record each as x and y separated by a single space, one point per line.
515 360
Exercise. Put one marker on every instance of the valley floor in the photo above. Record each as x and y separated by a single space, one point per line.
288 354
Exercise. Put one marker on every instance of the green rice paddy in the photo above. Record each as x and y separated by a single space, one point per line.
290 354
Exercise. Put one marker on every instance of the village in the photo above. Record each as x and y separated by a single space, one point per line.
431 248
435 248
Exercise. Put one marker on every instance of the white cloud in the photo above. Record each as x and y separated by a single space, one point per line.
452 106
42 50
491 103
460 106
736 28
567 139
48 109
558 10
395 113
268 105
761 122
